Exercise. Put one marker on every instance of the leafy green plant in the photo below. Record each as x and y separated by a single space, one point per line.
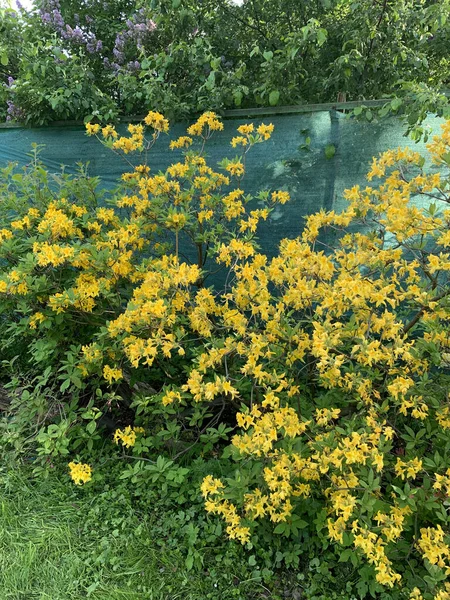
182 57
329 367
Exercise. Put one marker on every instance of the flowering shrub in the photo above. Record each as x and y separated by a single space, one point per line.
345 355
333 361
76 276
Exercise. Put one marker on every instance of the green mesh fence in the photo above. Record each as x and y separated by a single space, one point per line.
316 173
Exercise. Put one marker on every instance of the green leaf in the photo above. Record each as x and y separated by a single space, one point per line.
330 151
274 97
345 555
91 427
268 55
238 97
77 382
92 588
4 59
321 36
65 384
280 528
384 110
301 524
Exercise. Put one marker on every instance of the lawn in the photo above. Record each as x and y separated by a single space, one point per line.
58 542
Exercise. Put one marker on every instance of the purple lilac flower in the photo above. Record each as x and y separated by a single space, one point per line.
50 13
133 65
138 29
13 112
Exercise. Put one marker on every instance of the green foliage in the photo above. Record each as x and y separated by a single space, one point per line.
327 372
104 543
184 57
53 83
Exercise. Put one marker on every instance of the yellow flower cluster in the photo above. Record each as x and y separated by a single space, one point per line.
215 503
170 397
133 143
374 548
440 145
112 374
182 142
57 223
36 319
434 547
80 473
235 168
92 128
205 125
157 121
127 436
408 469
248 137
443 482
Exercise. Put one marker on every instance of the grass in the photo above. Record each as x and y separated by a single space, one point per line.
58 542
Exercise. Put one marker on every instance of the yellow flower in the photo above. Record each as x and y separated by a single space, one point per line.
81 473
281 197
157 121
176 221
92 128
127 436
112 374
182 142
235 168
109 131
36 319
211 486
265 131
170 397
5 234
206 123
239 140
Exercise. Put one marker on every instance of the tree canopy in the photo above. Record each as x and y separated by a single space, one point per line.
67 59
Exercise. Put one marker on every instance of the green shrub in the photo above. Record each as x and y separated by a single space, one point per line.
332 361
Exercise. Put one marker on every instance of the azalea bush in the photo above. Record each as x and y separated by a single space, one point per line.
73 271
326 366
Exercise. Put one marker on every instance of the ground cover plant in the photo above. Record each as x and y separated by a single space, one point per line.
110 59
62 543
304 396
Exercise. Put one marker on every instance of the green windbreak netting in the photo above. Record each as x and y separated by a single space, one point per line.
314 156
